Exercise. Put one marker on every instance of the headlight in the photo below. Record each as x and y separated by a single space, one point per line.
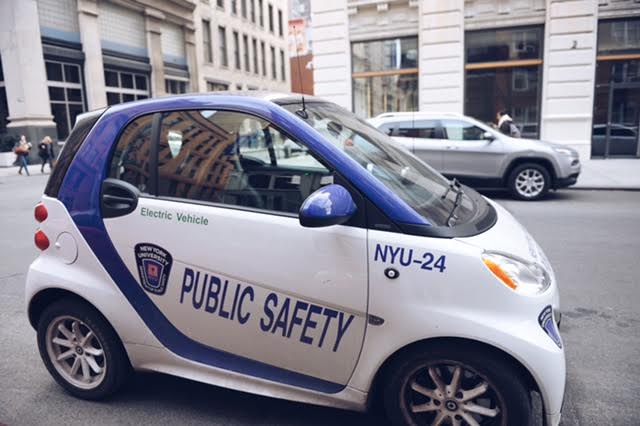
563 151
522 277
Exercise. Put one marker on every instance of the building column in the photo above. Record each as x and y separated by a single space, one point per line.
441 45
331 51
24 72
192 60
154 19
91 47
569 71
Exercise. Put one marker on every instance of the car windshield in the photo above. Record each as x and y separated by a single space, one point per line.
421 187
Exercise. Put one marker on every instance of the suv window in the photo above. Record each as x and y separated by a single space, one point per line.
424 129
236 159
459 130
130 161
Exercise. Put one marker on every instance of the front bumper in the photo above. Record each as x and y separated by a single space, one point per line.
567 181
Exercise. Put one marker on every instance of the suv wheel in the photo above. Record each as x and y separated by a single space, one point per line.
81 350
529 181
456 385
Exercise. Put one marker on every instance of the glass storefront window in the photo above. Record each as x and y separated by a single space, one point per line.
65 94
385 76
503 72
514 89
619 36
124 86
381 55
376 95
504 45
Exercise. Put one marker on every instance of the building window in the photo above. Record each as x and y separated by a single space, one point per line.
220 4
263 56
213 86
252 11
503 71
243 8
271 18
283 72
222 40
616 106
245 46
280 24
206 41
4 107
385 76
174 86
234 7
65 94
125 86
236 50
273 63
261 13
254 44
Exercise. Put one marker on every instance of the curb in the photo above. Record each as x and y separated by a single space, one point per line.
605 188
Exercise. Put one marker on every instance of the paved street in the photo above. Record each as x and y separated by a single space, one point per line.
591 237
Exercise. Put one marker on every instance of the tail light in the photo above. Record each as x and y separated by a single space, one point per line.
41 240
40 212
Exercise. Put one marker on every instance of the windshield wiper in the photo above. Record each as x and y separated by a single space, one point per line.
455 187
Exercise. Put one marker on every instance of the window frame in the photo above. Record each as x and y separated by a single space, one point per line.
156 126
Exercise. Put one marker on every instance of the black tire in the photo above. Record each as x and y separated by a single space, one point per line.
534 168
117 367
506 389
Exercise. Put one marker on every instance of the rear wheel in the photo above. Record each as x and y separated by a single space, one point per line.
456 385
529 181
81 350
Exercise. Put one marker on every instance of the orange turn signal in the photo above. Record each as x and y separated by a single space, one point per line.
500 273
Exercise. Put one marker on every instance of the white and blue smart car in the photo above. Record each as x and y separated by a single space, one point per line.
286 248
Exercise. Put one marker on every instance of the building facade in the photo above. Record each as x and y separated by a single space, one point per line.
565 70
59 58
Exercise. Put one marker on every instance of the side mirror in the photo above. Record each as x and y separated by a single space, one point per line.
488 136
329 205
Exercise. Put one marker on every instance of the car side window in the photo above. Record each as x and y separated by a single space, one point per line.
460 130
424 129
130 160
236 159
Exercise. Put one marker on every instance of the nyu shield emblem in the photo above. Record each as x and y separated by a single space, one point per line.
154 266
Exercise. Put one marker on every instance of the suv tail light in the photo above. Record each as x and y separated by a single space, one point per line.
40 212
41 240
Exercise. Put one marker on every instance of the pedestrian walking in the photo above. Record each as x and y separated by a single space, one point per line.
506 125
45 152
22 151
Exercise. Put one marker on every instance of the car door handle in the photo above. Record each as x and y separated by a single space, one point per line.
452 147
118 198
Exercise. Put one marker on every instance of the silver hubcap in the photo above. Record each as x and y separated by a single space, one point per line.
529 183
75 352
450 394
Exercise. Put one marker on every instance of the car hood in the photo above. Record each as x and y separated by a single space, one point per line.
537 144
508 236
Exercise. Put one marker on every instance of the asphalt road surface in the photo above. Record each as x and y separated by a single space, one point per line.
592 238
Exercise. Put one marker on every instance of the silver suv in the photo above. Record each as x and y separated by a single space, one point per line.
480 156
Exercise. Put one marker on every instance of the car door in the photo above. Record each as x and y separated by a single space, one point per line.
216 244
469 154
423 138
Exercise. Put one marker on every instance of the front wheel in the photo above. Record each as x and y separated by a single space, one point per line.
456 385
81 350
529 181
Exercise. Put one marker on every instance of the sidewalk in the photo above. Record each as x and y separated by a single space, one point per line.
621 174
612 173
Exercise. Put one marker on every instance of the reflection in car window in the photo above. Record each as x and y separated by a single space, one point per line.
130 160
235 159
459 130
421 187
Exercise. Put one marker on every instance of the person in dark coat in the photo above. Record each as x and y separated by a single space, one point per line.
45 152
506 125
